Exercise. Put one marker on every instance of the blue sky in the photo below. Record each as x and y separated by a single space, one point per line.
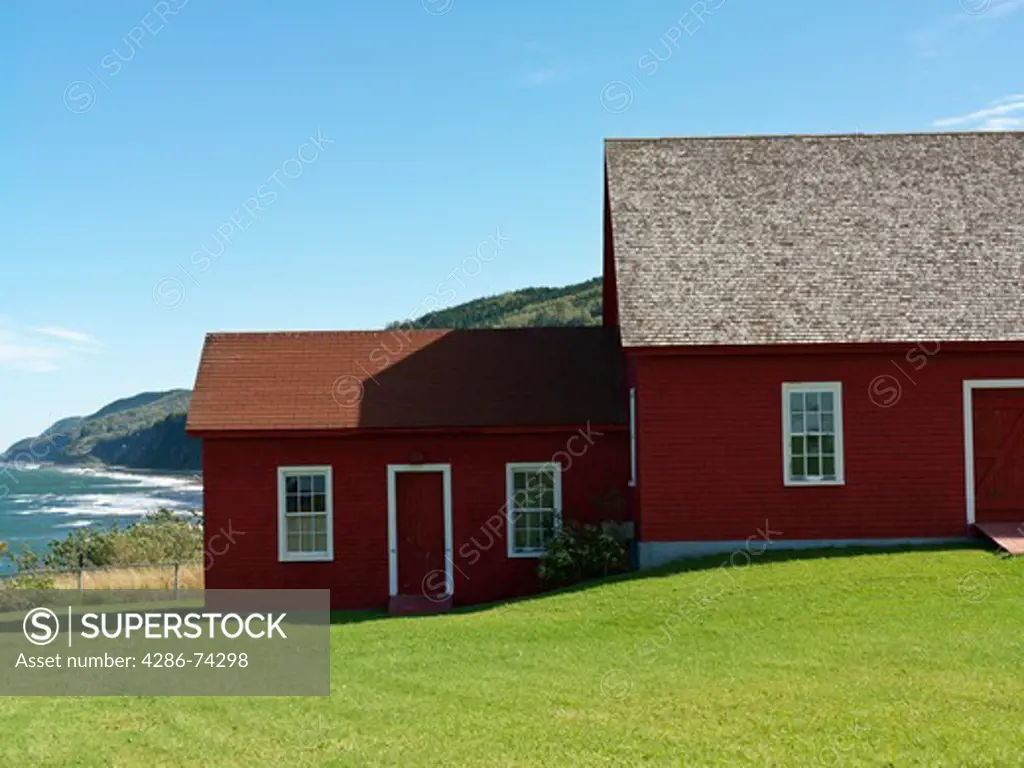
179 167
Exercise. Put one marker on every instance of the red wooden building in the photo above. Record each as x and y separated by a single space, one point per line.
393 464
823 336
816 340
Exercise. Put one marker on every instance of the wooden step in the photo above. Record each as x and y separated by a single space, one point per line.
419 605
1009 536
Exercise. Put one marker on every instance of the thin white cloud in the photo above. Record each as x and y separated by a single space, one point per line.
67 335
41 350
17 356
972 17
1005 114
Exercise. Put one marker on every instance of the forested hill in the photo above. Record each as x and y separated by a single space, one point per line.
578 304
146 431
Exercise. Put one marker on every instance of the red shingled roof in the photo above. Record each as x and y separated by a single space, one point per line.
521 377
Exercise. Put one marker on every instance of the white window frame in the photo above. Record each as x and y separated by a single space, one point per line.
836 388
283 555
510 470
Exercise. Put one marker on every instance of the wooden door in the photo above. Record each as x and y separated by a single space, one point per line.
998 455
419 499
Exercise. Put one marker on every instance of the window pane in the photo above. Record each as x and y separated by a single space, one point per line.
828 445
797 467
533 520
518 481
827 404
811 400
291 503
292 525
533 538
319 481
796 446
305 483
812 445
796 423
520 538
796 402
813 422
813 466
545 480
319 503
828 423
828 467
293 542
291 484
320 542
305 504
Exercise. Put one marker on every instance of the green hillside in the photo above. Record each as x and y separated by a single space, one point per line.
836 658
578 304
146 431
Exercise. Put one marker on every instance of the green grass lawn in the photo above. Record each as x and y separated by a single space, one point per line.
907 658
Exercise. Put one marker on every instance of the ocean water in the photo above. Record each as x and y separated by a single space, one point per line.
43 503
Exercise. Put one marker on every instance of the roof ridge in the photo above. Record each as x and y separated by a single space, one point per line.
765 136
406 329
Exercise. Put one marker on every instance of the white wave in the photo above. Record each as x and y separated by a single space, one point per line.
77 524
143 479
19 466
124 504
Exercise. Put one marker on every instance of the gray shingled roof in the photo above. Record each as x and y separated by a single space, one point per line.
804 239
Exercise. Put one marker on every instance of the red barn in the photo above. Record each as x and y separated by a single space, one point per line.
392 464
815 340
823 336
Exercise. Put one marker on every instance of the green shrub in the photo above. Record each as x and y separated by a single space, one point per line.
580 553
160 537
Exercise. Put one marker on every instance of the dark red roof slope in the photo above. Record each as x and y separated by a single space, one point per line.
522 377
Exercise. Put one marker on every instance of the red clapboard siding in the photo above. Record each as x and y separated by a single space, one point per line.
241 496
710 443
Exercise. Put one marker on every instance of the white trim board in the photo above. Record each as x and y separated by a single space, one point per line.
969 386
446 475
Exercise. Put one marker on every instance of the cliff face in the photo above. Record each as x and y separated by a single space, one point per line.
161 446
146 431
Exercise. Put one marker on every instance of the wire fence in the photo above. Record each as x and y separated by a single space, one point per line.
163 576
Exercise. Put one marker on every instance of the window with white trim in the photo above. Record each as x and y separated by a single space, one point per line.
534 507
812 418
305 514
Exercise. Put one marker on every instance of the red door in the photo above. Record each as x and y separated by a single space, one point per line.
420 523
998 455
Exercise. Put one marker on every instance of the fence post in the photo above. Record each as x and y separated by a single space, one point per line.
81 573
176 566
